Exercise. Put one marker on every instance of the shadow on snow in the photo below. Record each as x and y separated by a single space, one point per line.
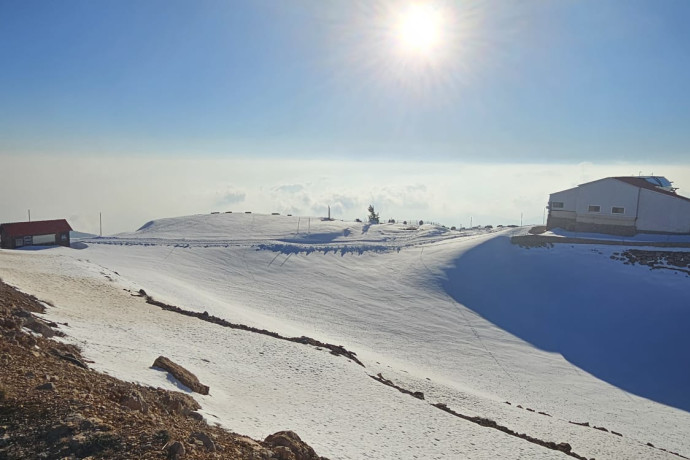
619 323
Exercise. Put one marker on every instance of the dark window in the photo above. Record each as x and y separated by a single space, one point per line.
594 208
556 204
617 210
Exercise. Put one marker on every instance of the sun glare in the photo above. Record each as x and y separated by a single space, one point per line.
419 28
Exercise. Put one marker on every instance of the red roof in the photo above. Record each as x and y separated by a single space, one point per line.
642 183
40 227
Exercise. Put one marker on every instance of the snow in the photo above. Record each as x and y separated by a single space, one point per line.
465 317
638 238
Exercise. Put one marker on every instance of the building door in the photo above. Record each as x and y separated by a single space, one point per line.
44 240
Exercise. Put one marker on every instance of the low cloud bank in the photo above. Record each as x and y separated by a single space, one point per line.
132 190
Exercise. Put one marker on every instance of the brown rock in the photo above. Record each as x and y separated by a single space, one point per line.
196 415
180 373
178 403
38 327
288 446
133 400
206 440
564 447
175 450
283 453
49 386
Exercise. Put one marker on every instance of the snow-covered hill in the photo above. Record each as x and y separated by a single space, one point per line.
563 334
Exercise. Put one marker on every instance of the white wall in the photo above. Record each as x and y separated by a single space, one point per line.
607 193
663 213
657 212
567 197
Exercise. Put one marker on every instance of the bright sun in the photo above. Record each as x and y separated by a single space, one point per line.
419 28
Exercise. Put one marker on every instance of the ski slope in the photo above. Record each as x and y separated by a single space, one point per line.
464 317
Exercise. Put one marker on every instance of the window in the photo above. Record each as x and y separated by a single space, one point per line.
617 210
594 208
557 205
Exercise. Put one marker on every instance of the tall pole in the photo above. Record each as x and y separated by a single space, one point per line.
100 222
520 219
29 215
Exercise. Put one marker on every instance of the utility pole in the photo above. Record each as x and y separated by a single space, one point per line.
100 222
29 215
470 221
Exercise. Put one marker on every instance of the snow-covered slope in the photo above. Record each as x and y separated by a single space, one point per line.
465 317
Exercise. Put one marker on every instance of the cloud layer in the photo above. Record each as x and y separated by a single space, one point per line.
130 191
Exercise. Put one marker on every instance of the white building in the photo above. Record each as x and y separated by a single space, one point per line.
621 206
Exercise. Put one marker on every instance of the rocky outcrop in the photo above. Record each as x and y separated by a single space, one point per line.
288 446
181 374
53 408
336 350
135 401
175 450
380 378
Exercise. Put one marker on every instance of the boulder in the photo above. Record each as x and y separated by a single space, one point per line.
38 327
288 446
177 403
48 386
175 450
135 401
181 374
206 440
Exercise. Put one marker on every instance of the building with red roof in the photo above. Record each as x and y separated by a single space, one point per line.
39 233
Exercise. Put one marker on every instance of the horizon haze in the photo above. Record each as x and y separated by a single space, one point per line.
438 110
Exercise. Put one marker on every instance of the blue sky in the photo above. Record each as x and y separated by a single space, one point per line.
531 82
565 81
